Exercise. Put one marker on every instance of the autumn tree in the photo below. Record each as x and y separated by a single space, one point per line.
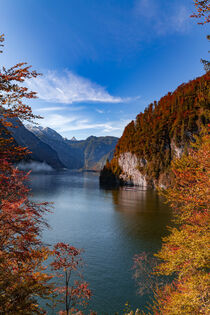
184 252
12 107
184 255
67 264
203 14
202 11
23 256
22 253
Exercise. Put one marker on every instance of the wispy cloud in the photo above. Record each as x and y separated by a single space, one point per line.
166 20
68 88
180 20
57 121
86 124
59 108
100 111
64 124
51 109
145 8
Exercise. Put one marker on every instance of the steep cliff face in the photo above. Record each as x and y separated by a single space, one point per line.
163 132
130 174
129 163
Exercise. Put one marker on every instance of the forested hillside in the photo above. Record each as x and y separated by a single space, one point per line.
162 132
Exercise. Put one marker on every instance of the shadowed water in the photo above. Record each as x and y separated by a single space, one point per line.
110 225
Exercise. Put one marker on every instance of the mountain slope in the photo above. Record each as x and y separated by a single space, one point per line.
97 150
70 158
148 145
40 151
90 154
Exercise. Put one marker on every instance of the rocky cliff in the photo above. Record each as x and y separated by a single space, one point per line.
163 132
129 163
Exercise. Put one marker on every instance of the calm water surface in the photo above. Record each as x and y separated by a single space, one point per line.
110 225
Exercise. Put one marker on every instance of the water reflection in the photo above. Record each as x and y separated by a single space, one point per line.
144 216
111 225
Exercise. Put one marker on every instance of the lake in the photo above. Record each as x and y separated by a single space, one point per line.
110 225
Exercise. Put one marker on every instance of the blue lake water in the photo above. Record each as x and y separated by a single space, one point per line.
110 225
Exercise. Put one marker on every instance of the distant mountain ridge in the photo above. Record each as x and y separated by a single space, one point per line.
40 151
90 154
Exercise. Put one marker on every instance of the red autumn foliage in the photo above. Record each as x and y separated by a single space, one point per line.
68 263
23 256
164 126
203 11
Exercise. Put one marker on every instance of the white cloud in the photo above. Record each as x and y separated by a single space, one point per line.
145 8
180 19
64 124
59 108
162 20
50 109
85 125
100 111
68 88
57 121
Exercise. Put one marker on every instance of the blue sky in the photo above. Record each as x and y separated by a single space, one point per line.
102 61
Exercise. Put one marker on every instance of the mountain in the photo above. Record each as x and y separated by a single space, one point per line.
164 131
95 151
70 158
90 154
40 151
